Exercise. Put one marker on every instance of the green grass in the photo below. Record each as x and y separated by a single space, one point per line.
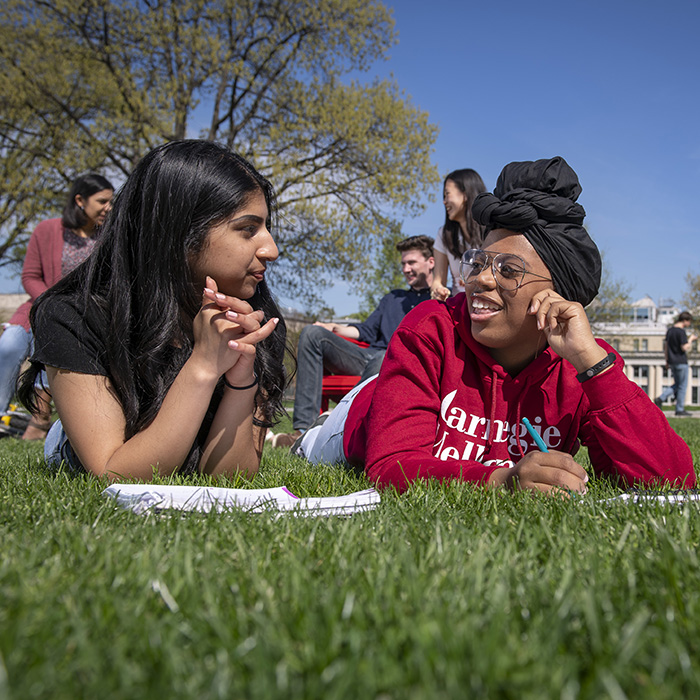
444 592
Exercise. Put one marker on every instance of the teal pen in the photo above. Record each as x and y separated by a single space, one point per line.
535 436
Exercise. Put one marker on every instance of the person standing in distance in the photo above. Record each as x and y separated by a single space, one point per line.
677 346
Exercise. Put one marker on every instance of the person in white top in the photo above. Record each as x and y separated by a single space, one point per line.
459 232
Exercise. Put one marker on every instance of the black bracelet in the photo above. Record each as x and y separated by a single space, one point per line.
598 368
241 388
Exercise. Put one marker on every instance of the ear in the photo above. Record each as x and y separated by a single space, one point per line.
80 201
431 262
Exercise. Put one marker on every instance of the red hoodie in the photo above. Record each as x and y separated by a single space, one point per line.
445 409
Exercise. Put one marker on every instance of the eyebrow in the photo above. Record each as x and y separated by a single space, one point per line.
246 218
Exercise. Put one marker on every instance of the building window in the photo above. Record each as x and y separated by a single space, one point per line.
694 396
640 371
667 372
635 344
696 372
645 345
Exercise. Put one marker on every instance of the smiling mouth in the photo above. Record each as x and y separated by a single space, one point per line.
481 309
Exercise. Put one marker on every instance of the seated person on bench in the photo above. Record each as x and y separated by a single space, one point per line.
322 347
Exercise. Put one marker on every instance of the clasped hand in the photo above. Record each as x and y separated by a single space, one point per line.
226 331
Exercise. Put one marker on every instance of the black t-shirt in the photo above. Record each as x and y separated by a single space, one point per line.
675 338
70 334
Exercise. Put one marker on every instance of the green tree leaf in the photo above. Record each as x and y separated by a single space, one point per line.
95 84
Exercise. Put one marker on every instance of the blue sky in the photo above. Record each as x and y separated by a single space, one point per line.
610 86
613 87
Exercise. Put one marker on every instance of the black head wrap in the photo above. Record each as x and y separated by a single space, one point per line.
538 199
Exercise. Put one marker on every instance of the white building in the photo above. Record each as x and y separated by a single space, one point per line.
640 340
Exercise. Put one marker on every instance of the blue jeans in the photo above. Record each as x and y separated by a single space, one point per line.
323 444
57 451
680 385
321 349
15 346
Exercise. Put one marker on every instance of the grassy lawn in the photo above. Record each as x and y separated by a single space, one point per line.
444 592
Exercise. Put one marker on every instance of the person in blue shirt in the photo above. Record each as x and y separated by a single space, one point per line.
322 347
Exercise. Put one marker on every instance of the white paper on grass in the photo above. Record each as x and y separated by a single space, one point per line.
670 497
145 497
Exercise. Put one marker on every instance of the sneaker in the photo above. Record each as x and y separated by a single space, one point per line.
683 413
285 439
15 419
7 431
658 402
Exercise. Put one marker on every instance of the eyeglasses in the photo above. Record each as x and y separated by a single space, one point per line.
508 269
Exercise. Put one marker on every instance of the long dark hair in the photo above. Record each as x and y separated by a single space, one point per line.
138 282
85 185
470 184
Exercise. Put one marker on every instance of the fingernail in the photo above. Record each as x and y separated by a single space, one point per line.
221 296
233 344
275 321
208 291
231 314
539 324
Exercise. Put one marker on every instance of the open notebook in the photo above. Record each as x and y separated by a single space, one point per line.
143 498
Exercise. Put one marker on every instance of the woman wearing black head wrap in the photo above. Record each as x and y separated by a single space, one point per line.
461 377
538 199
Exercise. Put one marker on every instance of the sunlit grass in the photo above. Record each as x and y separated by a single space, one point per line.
443 592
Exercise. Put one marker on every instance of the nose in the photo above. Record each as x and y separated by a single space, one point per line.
268 249
485 278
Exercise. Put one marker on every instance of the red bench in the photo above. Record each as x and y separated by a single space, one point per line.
335 386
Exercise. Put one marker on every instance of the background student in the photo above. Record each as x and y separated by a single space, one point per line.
321 346
459 232
676 349
56 247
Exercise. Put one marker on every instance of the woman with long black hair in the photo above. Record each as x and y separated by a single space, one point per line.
164 350
459 232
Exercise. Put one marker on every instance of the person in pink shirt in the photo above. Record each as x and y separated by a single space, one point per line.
56 247
460 376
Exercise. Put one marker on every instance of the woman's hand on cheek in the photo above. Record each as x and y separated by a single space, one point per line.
566 328
226 331
553 472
